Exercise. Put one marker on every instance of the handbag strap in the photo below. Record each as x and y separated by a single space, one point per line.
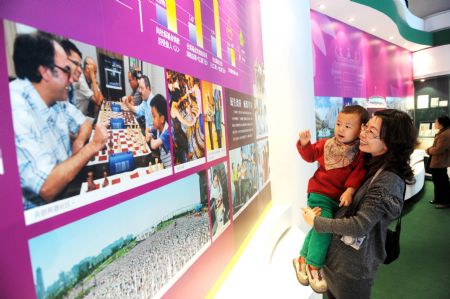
351 212
399 219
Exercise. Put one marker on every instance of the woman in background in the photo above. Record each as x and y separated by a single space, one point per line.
440 160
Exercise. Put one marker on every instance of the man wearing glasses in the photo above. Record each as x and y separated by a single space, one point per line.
44 154
80 127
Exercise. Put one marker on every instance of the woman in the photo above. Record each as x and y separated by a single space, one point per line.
388 139
440 160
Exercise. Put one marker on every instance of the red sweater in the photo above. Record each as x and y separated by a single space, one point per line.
331 183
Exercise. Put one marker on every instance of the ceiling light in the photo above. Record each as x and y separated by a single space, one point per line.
422 80
373 29
405 44
351 19
391 37
322 6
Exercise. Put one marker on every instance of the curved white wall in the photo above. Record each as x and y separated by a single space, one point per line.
431 62
438 21
290 97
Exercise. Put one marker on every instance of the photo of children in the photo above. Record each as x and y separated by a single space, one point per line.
219 202
75 118
245 175
214 120
185 110
327 109
148 242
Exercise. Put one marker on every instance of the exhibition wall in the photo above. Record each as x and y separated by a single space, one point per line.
354 67
138 221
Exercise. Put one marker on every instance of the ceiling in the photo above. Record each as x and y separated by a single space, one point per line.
425 8
366 19
379 24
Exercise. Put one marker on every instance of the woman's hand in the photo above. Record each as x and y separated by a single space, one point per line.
309 214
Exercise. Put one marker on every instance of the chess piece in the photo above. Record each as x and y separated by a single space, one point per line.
150 167
105 181
90 181
155 166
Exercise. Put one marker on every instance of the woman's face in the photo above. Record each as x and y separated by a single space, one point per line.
370 141
437 125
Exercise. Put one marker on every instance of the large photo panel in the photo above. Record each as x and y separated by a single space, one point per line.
89 125
136 249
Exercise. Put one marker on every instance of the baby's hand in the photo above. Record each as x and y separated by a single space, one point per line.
346 197
304 137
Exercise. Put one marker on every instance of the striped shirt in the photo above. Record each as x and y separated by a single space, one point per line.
41 135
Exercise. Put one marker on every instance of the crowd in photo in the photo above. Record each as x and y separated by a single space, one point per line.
151 264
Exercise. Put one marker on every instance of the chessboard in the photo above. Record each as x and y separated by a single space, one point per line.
106 105
105 116
121 141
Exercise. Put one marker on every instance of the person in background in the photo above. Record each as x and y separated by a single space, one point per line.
87 91
143 110
133 79
440 160
45 159
135 97
333 185
359 231
80 127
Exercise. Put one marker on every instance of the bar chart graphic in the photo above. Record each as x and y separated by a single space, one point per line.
216 41
166 14
195 25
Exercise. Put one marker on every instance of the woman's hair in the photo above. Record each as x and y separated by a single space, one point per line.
399 134
444 121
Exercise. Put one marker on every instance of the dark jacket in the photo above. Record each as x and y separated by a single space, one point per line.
350 272
440 151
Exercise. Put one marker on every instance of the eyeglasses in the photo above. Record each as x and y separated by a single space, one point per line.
66 70
369 133
77 64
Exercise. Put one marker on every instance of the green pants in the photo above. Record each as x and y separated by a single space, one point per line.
315 246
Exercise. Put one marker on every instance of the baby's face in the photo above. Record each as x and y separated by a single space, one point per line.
347 128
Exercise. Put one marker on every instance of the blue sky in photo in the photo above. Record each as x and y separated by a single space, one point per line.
60 249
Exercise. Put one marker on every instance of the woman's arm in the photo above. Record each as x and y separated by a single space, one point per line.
378 202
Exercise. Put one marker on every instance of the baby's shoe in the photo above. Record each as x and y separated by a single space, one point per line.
300 270
316 279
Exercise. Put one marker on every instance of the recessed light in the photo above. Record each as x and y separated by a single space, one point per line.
422 80
322 6
373 29
405 44
391 37
351 19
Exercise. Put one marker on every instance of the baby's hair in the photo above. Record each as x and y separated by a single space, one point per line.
356 109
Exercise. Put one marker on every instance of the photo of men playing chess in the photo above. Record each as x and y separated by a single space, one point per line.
79 126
